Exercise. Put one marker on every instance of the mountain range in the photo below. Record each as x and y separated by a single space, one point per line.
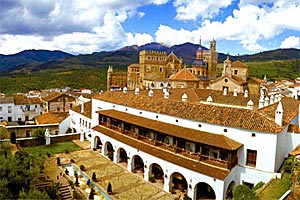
29 61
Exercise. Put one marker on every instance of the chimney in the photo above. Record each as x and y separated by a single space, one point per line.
137 91
150 93
82 107
209 100
266 103
261 103
246 93
235 92
166 94
279 114
225 91
250 104
184 97
125 90
272 98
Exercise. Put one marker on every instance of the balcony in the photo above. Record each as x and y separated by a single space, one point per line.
227 164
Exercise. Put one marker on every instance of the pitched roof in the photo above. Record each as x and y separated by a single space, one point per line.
238 64
22 100
216 140
198 166
4 100
87 109
256 120
51 118
52 96
184 75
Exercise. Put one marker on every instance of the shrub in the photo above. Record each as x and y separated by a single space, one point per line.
242 192
109 189
82 168
152 178
66 151
58 161
288 165
258 185
94 178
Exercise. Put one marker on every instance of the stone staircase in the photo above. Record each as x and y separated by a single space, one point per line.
65 193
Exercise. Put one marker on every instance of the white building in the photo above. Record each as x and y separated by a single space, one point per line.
194 146
19 108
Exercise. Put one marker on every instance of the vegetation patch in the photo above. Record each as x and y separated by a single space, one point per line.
52 149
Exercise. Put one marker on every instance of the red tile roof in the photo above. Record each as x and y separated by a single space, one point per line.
198 166
184 75
216 140
24 100
51 118
87 109
256 120
238 64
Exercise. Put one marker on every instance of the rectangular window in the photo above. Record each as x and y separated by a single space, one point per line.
251 158
0 108
235 72
9 109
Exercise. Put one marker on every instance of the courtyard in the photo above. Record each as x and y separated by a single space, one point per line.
125 185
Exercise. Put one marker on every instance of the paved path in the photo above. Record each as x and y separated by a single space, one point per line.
125 185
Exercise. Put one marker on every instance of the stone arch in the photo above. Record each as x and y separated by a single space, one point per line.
178 183
97 143
229 191
137 164
109 150
122 156
204 191
156 173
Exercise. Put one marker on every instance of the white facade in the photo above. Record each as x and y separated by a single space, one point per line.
270 148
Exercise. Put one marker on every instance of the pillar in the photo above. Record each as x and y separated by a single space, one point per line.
82 137
146 172
115 157
191 191
166 181
129 163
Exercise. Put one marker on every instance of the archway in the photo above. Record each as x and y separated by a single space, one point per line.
156 174
109 151
97 143
122 157
204 191
178 184
229 191
137 165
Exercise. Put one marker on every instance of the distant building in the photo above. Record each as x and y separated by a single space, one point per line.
58 102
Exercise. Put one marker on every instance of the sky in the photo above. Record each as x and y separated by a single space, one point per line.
87 26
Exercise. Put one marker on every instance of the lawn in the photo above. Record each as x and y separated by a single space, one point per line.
277 188
53 149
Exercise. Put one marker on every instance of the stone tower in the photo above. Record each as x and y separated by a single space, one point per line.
109 77
211 59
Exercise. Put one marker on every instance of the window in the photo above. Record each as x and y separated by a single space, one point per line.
251 158
9 109
176 120
225 130
0 108
199 125
226 80
27 133
235 72
253 134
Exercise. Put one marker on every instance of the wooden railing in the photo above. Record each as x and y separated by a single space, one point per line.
174 149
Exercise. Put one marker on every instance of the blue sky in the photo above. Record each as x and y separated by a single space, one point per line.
79 27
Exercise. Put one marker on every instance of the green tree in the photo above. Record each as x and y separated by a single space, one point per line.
4 134
243 192
40 135
33 194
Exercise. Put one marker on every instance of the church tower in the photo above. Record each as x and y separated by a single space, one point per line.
109 77
212 60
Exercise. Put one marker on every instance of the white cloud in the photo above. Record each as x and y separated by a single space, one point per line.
290 42
250 25
192 9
